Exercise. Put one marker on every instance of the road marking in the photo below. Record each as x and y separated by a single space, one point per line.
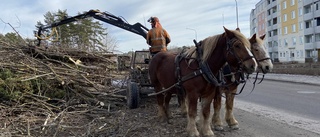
306 92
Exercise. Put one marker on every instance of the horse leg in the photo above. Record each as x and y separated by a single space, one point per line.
166 104
192 102
181 99
217 122
161 109
230 119
205 121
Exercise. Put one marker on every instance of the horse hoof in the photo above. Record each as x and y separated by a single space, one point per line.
218 128
208 136
235 127
163 120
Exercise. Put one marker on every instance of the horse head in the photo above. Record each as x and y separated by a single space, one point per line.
260 53
238 51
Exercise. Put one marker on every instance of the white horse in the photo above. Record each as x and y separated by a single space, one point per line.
264 64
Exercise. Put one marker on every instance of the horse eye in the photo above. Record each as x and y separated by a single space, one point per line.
237 46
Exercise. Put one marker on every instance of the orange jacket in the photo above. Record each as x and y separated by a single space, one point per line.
158 39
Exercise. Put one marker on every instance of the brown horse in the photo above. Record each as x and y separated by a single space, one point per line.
196 72
264 64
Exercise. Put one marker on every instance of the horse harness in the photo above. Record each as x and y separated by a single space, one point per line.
203 69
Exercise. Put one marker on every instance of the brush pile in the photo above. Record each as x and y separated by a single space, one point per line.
56 92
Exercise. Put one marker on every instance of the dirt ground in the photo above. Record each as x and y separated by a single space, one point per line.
112 121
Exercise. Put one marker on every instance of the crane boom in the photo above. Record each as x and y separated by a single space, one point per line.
136 28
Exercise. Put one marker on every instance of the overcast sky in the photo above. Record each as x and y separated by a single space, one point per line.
204 17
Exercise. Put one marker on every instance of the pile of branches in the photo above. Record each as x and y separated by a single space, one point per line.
54 89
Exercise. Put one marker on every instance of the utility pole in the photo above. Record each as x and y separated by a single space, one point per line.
237 13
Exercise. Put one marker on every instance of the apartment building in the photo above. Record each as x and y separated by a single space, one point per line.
292 28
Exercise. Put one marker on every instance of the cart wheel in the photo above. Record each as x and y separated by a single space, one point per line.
133 95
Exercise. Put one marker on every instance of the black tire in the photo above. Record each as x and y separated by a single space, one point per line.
133 95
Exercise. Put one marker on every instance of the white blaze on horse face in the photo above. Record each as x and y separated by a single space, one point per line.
249 52
255 62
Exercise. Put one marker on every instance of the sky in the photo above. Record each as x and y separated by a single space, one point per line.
184 20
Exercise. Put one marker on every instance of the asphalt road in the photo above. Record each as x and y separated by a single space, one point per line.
279 109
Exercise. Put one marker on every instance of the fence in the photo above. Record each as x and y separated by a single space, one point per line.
297 68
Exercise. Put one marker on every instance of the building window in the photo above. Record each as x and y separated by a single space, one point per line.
308 53
284 4
279 7
300 25
274 20
279 42
284 17
285 29
318 21
308 24
300 11
274 9
308 38
307 9
301 40
293 27
292 54
317 6
317 37
269 23
294 41
280 32
292 2
275 44
285 42
293 14
279 19
269 33
270 44
275 32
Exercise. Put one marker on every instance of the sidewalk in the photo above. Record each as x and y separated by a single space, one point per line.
314 80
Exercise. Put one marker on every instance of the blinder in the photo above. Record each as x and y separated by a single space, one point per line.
230 50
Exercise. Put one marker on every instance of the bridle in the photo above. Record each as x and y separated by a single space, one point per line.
231 51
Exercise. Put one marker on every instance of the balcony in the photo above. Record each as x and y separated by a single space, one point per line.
317 13
308 46
308 31
275 48
307 2
308 16
317 45
317 29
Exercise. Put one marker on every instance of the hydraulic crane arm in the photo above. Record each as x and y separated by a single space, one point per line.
136 28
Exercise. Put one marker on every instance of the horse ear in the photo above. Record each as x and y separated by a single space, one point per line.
253 38
262 37
238 29
228 32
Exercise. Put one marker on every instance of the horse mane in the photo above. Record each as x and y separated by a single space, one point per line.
209 44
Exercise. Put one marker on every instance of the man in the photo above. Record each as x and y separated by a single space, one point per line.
157 37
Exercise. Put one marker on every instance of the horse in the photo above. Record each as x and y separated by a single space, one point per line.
196 73
264 64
